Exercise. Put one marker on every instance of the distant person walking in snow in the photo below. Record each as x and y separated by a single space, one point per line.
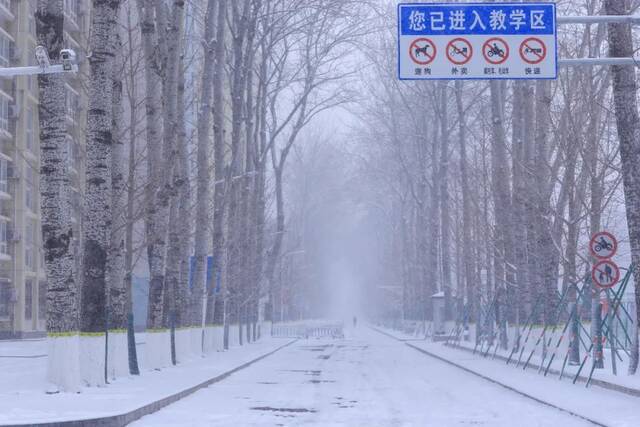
355 321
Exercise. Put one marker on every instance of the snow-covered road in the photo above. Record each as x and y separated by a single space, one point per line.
365 380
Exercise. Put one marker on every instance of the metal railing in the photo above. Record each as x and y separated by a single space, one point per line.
334 330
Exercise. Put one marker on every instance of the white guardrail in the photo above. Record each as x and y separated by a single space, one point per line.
333 330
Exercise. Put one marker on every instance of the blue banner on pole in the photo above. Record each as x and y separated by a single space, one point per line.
210 267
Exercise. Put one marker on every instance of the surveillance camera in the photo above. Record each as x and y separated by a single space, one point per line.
42 57
68 57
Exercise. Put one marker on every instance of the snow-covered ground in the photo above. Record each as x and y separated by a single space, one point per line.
367 379
23 371
610 408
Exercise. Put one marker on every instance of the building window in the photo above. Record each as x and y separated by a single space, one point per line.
71 9
42 301
4 246
28 300
4 114
30 188
6 4
29 245
72 104
6 297
29 130
5 50
4 166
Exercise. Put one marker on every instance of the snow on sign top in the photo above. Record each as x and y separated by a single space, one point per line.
477 41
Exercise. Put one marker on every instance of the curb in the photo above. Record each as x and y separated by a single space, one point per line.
594 381
121 420
470 371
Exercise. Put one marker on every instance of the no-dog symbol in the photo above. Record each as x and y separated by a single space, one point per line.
422 51
459 51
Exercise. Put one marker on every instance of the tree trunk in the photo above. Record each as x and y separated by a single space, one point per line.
55 200
172 143
118 291
470 288
523 299
156 215
131 196
626 108
502 206
445 214
94 319
216 307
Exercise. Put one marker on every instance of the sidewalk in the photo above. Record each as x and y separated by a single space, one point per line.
23 400
605 407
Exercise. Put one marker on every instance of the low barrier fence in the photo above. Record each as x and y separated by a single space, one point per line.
307 330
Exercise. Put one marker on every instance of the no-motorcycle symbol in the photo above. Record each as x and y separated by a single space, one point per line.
495 51
603 245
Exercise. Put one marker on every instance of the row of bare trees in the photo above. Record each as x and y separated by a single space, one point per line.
193 110
497 186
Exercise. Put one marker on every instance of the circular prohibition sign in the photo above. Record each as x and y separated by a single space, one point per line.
533 51
495 51
459 51
423 47
603 245
605 274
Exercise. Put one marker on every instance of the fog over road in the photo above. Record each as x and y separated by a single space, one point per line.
367 379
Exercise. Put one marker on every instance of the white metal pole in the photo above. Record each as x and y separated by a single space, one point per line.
599 19
35 69
585 62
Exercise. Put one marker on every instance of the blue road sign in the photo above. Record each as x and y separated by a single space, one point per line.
477 41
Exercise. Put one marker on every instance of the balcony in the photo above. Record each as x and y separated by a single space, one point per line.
5 11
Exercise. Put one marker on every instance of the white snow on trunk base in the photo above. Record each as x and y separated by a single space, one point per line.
196 341
63 363
234 338
118 355
209 339
213 339
265 329
92 352
183 345
157 351
218 338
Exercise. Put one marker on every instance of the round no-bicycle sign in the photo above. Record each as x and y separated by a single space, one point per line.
603 245
423 51
605 274
459 51
533 51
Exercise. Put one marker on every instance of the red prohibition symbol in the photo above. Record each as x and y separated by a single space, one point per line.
533 51
605 274
459 51
603 245
423 51
495 51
